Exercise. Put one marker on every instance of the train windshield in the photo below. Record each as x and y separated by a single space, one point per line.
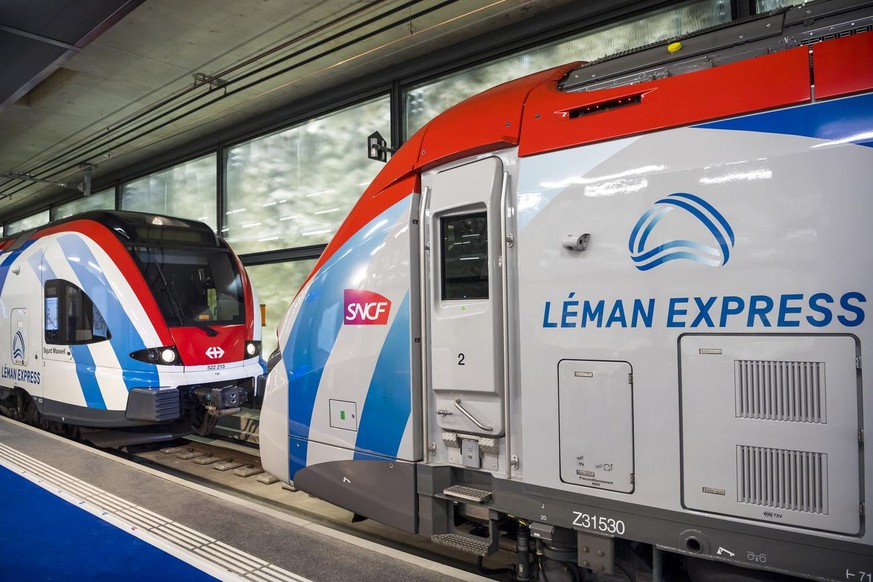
193 287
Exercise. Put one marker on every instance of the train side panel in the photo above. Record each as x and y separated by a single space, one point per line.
634 327
716 307
685 334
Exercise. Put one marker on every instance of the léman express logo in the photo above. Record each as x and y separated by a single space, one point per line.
18 350
646 256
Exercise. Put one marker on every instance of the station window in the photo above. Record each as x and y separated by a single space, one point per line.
32 221
294 188
103 200
464 256
186 190
762 6
277 284
70 315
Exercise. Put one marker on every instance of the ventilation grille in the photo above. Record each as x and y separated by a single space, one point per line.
782 479
848 29
773 390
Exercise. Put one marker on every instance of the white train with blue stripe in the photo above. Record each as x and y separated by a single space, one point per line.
125 327
616 312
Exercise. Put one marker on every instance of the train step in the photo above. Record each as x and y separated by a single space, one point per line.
466 543
467 494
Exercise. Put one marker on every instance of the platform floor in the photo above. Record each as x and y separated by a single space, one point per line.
76 513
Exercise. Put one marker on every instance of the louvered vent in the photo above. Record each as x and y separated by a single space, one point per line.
831 32
782 479
774 390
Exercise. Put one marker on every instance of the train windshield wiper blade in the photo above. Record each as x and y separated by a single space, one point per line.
209 330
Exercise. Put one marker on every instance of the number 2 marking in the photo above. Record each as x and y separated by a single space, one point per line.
461 360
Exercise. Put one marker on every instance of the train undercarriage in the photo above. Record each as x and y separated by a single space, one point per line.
151 415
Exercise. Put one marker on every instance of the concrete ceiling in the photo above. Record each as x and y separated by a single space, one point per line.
111 83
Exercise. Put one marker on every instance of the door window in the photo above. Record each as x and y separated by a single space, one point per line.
464 256
70 315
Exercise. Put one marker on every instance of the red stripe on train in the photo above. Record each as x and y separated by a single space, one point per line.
119 255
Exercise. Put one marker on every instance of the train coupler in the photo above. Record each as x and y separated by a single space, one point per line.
220 401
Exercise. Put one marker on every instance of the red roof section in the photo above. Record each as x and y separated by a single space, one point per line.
555 120
488 121
843 66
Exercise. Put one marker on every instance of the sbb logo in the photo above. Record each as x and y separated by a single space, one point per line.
365 308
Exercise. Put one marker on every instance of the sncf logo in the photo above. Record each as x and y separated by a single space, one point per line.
365 308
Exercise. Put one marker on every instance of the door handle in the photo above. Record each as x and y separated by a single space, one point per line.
471 417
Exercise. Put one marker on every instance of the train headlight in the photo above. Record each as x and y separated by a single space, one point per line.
166 356
253 349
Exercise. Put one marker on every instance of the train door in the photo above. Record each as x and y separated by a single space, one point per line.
59 373
463 254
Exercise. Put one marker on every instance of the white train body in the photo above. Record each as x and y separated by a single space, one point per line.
87 316
637 313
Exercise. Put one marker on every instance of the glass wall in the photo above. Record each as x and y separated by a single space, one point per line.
188 190
103 200
766 5
31 221
294 188
428 100
277 285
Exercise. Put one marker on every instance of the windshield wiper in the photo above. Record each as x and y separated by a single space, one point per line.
170 293
210 331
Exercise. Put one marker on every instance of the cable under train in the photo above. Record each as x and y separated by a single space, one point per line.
615 312
125 327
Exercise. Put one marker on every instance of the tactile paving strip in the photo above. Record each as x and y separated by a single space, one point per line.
183 538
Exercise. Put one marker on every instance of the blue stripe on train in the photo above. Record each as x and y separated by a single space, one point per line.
388 405
85 371
846 120
318 324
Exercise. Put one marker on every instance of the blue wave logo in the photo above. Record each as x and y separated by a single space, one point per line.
717 255
18 348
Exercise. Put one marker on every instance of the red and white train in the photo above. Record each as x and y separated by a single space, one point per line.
616 311
125 327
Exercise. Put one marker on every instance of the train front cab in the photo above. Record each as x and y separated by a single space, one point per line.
127 321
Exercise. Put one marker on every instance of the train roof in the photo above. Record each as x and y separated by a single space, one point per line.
130 228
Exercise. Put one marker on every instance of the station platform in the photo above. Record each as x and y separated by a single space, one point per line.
73 512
